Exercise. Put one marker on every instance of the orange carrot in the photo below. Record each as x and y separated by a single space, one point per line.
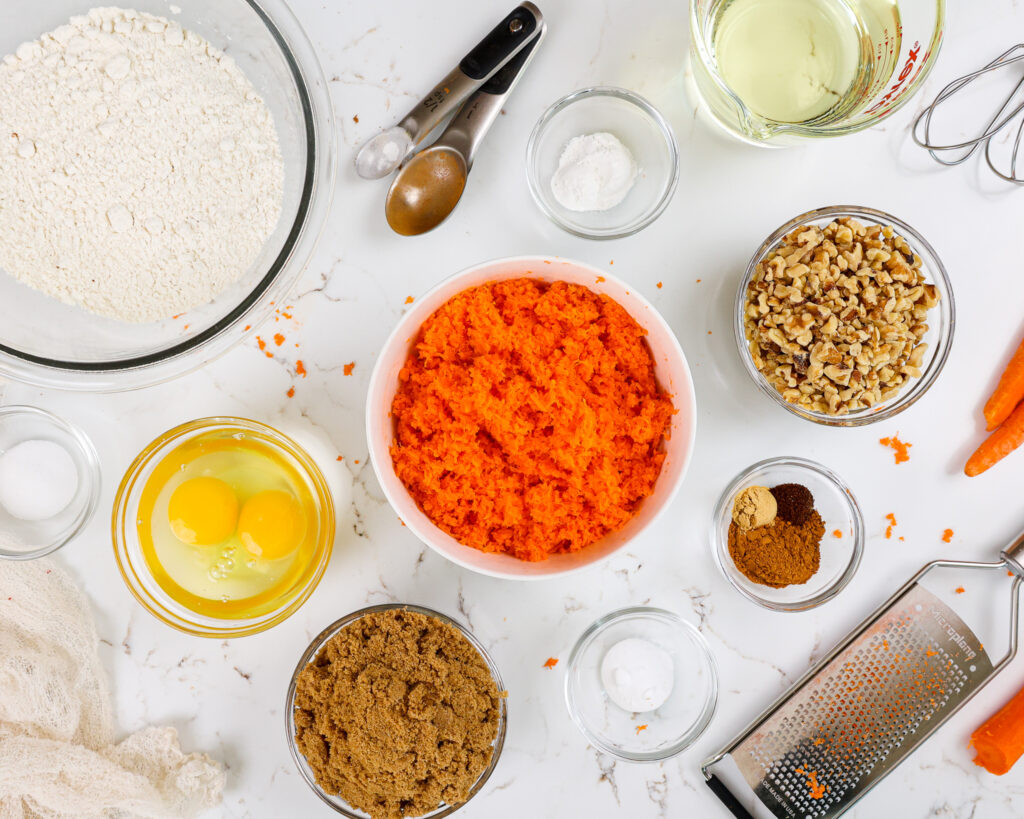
1000 741
999 444
1008 393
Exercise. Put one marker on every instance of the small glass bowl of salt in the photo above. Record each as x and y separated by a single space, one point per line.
602 163
49 482
641 684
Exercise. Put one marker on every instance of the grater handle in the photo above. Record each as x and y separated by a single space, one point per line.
726 797
1013 556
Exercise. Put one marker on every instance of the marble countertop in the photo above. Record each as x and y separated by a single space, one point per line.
226 697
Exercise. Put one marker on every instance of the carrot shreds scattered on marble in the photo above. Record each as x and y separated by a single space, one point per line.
947 536
300 368
901 449
409 299
348 368
838 533
278 339
640 728
892 523
528 418
551 662
959 589
291 392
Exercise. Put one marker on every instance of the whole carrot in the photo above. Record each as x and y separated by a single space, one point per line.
1000 741
1008 393
999 444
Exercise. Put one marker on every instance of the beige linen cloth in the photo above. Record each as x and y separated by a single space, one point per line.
58 757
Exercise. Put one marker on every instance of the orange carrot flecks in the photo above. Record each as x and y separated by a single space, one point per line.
999 444
347 369
1000 741
640 728
1008 393
947 536
551 662
899 448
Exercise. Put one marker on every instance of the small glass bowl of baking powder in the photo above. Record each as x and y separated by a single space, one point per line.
664 659
638 126
841 545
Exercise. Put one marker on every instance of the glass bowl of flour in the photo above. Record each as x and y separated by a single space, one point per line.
602 163
165 174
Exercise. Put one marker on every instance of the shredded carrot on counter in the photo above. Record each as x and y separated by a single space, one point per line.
947 536
838 533
340 458
409 299
640 728
278 339
291 392
892 522
901 450
658 285
300 368
960 589
347 369
551 662
528 419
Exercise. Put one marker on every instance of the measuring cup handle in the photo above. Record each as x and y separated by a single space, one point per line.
1013 555
503 43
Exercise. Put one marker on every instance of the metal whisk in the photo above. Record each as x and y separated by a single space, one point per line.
1001 120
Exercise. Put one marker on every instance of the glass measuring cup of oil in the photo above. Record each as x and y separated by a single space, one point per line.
779 71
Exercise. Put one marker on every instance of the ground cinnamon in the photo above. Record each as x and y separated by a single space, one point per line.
781 554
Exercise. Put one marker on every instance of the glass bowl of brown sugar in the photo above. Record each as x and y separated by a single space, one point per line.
788 534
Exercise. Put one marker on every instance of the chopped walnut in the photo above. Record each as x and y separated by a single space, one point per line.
834 316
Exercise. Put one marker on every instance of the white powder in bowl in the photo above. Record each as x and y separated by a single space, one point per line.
140 172
595 172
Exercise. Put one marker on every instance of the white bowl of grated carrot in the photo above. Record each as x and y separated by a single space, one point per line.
670 371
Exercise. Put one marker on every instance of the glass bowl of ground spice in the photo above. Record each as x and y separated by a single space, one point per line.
395 711
788 534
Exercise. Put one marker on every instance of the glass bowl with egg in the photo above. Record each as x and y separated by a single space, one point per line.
50 343
641 684
870 335
223 527
841 543
602 201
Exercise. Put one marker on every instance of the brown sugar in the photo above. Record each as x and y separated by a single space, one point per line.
779 555
397 714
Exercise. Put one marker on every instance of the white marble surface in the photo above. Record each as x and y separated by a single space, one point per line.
226 697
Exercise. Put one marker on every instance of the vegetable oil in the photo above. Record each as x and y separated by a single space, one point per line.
790 60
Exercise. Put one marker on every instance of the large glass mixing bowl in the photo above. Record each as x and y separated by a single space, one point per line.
49 343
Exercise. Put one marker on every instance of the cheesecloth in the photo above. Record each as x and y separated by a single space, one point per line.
58 757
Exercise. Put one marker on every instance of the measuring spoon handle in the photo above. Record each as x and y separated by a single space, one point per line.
504 42
470 125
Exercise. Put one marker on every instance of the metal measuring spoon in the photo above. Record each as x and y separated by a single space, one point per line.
431 183
383 153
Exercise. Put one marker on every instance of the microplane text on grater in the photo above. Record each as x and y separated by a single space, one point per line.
865 706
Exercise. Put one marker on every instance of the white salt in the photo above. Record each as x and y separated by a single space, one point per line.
38 479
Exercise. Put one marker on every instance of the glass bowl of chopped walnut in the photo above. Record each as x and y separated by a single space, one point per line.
845 316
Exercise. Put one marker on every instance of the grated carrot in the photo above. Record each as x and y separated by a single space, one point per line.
900 449
528 418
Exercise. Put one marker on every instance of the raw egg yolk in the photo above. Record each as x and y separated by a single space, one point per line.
271 524
203 512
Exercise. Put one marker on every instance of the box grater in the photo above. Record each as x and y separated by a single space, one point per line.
864 707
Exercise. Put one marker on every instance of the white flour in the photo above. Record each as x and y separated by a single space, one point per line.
140 173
